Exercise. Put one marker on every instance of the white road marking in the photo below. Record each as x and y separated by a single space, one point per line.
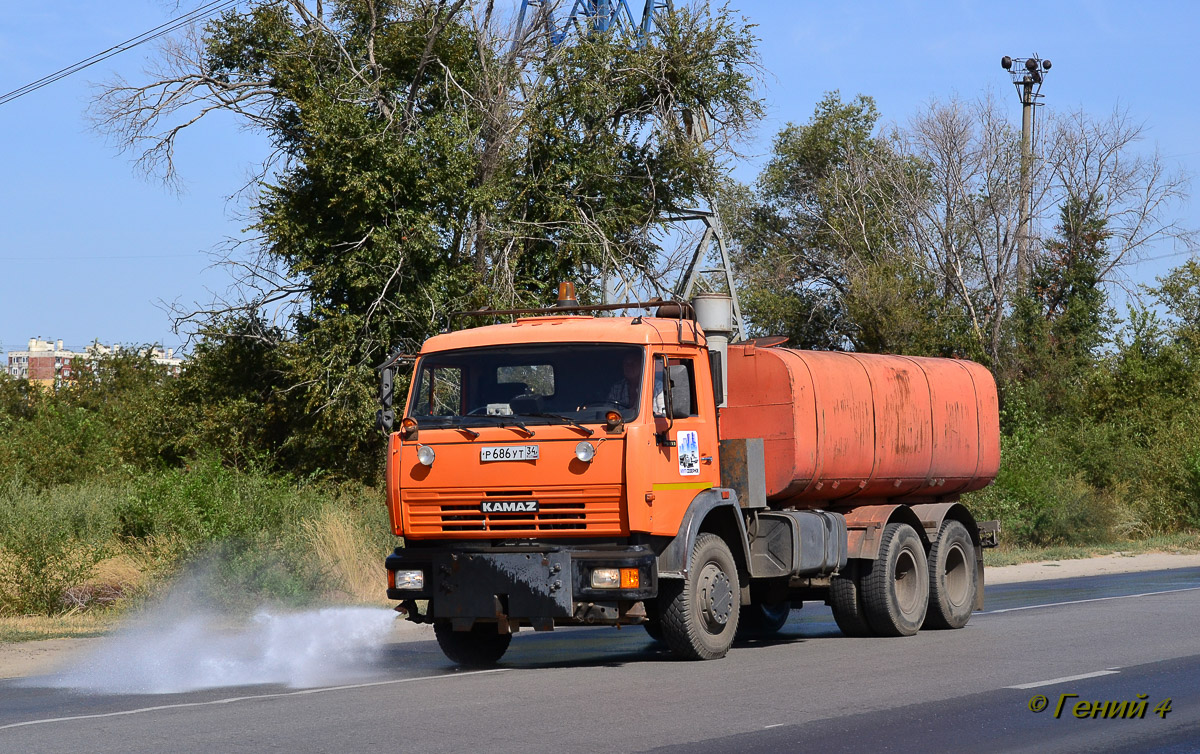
1093 599
1064 679
232 699
776 725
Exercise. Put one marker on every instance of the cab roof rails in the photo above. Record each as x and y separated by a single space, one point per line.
655 303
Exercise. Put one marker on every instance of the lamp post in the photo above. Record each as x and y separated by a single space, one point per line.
1027 75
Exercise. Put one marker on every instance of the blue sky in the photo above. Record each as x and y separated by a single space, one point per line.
88 248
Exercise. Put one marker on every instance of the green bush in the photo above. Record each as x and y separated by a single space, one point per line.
243 574
51 540
206 502
245 529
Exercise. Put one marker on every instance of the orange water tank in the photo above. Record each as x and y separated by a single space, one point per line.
856 427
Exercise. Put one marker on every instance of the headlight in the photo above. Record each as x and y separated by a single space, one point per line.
585 451
606 578
410 580
426 455
616 578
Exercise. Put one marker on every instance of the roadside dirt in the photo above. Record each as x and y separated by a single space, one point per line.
1115 563
39 657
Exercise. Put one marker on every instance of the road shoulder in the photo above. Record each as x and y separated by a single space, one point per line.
1105 564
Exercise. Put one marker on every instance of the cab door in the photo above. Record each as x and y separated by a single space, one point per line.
686 439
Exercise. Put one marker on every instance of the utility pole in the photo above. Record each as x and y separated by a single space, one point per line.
1029 85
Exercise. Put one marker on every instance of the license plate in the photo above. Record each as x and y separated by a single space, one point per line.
508 453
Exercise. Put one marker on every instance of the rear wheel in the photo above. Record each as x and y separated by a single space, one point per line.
654 629
845 598
952 578
762 618
896 589
481 647
653 622
700 612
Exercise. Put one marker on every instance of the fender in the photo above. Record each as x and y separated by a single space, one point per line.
932 516
864 527
673 562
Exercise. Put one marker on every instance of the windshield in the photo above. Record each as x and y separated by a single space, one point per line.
544 384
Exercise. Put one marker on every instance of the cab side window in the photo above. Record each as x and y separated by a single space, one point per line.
681 383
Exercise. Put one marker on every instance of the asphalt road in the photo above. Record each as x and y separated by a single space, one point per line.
1120 638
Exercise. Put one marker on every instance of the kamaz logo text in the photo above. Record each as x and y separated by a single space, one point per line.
510 506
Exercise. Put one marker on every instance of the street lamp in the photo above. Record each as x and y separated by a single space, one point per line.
1027 75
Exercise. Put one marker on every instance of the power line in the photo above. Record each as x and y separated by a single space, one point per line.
202 12
1167 256
89 258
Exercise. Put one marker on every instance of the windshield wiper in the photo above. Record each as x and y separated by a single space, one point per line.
504 421
564 419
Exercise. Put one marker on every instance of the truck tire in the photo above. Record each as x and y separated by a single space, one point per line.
760 619
481 647
845 598
653 622
952 578
700 612
653 628
896 589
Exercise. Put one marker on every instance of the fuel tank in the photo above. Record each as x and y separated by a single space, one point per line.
848 428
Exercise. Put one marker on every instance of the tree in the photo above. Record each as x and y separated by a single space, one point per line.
965 217
1064 318
425 163
1131 191
826 254
907 239
1178 293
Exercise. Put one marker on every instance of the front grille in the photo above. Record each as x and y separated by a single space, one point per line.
571 510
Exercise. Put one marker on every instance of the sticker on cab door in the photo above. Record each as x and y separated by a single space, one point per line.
688 444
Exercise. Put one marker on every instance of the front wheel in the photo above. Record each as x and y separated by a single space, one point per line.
700 612
481 647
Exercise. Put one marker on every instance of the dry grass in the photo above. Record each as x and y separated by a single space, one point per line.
347 554
70 625
88 606
112 580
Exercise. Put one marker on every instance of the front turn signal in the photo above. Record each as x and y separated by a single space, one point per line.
408 428
613 421
630 578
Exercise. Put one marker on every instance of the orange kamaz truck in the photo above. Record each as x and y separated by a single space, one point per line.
565 469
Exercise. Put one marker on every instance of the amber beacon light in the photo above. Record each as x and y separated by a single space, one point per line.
566 295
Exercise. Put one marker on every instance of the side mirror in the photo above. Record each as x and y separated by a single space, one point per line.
385 417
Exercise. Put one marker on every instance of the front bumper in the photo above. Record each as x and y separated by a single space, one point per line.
536 586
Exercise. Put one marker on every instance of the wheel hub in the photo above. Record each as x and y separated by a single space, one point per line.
716 597
908 591
958 578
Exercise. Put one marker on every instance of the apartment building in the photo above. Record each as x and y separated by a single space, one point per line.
48 363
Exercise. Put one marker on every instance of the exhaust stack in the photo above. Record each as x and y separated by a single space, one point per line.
714 314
